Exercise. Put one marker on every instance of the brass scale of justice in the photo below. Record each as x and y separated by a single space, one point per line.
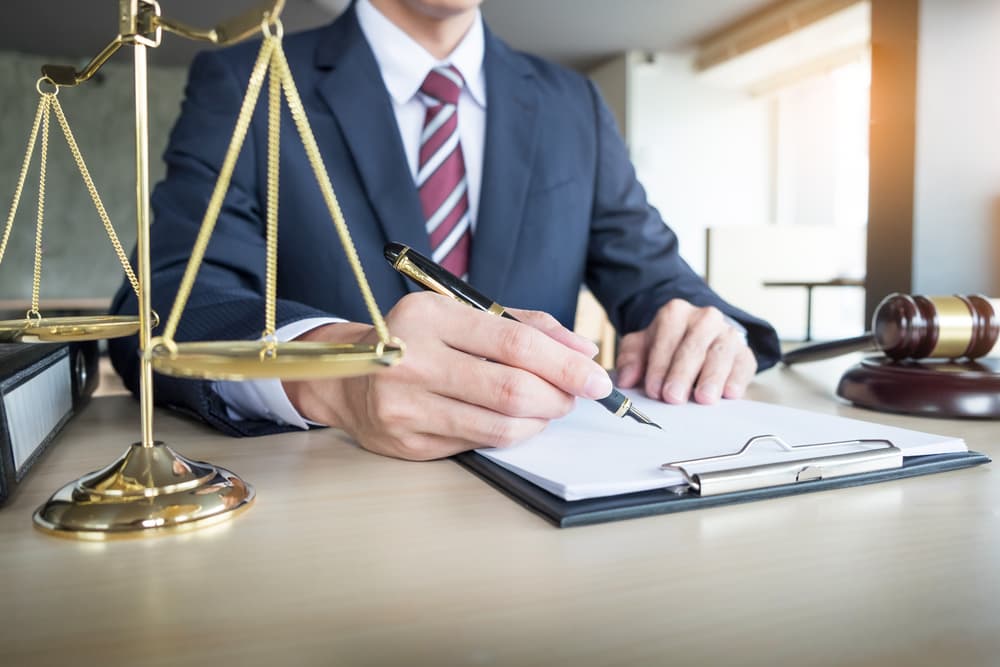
151 489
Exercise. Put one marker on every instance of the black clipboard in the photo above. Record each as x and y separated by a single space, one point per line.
567 513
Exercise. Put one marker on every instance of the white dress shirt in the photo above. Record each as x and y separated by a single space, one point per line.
404 65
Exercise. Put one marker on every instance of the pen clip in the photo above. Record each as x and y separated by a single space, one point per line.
422 271
408 268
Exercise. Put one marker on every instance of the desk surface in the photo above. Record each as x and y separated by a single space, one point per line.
350 558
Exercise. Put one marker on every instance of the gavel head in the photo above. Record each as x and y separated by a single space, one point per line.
950 327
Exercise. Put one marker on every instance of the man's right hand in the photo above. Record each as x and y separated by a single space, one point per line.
468 379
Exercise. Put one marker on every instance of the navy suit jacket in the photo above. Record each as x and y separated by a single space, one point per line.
560 206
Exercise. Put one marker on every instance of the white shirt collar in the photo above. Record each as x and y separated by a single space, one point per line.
404 64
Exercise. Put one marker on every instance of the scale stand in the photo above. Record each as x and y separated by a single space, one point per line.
151 489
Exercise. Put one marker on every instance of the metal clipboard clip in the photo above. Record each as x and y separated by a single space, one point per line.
728 480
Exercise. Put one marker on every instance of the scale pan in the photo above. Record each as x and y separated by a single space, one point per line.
68 329
292 360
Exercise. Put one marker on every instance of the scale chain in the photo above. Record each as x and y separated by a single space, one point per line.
271 62
42 104
48 102
95 197
219 193
273 163
36 278
316 161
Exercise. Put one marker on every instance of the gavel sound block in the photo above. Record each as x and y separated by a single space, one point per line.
941 357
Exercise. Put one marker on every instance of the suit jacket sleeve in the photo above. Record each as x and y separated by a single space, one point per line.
633 263
227 301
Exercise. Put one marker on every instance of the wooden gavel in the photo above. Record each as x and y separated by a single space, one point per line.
918 327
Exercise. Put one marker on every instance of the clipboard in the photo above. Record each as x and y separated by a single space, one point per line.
729 485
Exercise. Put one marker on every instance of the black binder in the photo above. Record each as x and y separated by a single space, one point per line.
566 513
45 384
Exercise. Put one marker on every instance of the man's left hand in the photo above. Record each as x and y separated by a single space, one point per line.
687 349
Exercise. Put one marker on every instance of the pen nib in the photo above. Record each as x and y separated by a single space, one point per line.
641 418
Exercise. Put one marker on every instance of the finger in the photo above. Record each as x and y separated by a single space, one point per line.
551 327
742 374
631 361
502 389
715 372
703 327
440 427
522 346
666 334
455 374
474 426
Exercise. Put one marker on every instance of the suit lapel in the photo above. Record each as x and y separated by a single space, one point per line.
511 115
354 91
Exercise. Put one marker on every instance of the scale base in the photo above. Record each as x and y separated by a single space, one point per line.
931 387
147 491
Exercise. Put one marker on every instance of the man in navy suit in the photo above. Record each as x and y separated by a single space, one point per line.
537 196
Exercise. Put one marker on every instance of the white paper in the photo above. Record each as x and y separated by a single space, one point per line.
35 409
590 453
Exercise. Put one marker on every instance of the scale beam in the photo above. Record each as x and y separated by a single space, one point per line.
140 22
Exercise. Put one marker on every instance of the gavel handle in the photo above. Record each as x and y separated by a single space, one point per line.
864 342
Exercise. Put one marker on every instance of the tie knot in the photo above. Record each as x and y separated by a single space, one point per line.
443 84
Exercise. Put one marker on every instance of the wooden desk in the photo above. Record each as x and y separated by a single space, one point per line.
353 559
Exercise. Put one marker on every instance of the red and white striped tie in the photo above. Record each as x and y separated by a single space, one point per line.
441 172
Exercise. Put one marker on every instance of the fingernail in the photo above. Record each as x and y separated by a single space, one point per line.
625 375
734 391
709 392
598 385
675 392
654 391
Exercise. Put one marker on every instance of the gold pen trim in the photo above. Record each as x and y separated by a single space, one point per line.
623 408
405 265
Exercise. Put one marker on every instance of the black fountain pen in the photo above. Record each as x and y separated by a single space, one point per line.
436 278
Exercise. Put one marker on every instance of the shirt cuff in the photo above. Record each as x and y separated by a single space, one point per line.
266 399
736 325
